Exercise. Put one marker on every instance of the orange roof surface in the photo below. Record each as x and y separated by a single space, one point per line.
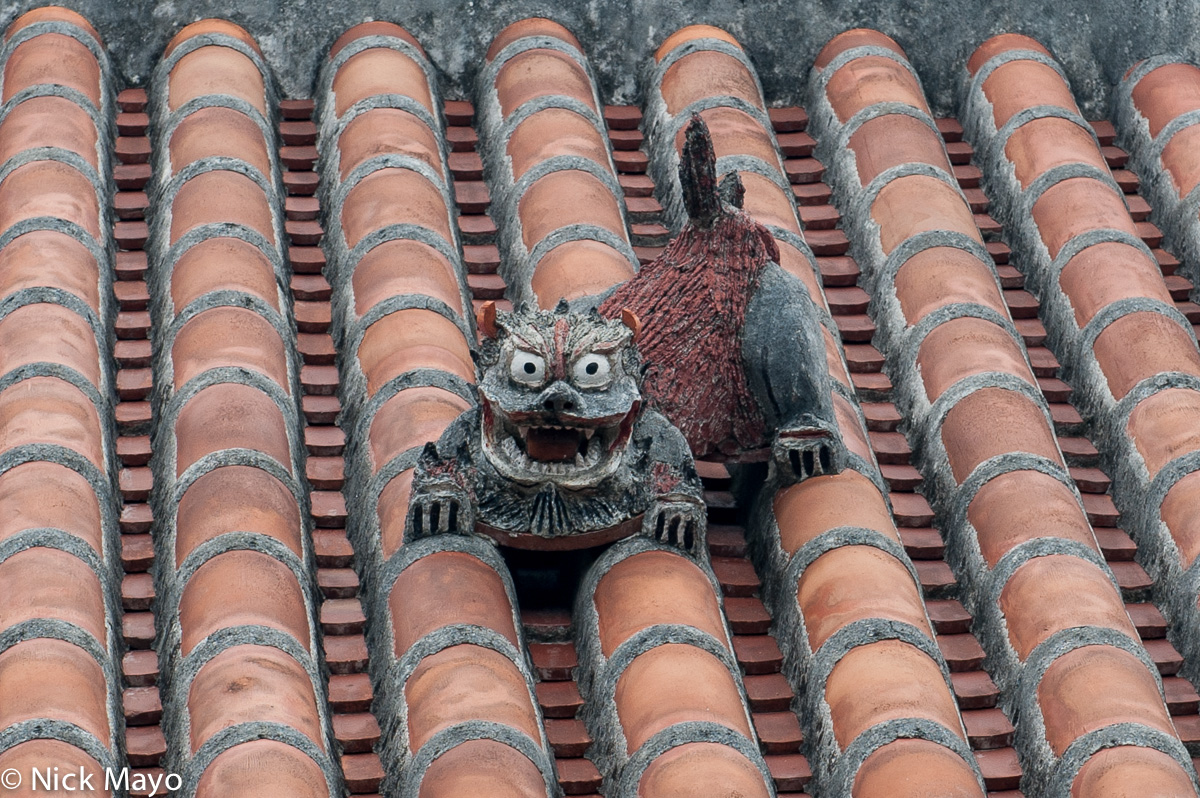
232 320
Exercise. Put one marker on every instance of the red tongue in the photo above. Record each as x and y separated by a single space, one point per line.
556 445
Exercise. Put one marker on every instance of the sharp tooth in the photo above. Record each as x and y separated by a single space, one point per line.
578 460
589 432
524 431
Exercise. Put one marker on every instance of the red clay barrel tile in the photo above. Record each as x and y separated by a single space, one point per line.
43 494
651 697
1140 345
49 188
579 268
1167 92
1020 84
236 499
225 591
49 410
697 769
220 196
885 589
36 675
535 73
241 588
404 267
1092 283
216 70
51 14
46 332
960 348
1043 144
291 772
810 508
1023 505
270 686
893 140
850 39
1181 519
192 139
48 122
387 130
65 60
992 422
418 598
230 416
1179 160
941 276
1164 426
1128 770
722 75
409 419
52 259
654 587
1075 205
466 683
208 27
437 590
482 767
380 71
917 203
1049 594
542 209
533 26
374 28
410 339
48 583
204 268
550 133
690 33
904 679
889 771
1092 687
870 80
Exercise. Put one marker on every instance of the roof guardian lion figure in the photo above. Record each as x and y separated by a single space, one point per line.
561 452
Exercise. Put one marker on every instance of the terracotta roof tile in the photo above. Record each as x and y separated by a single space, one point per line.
232 429
1080 219
59 541
330 270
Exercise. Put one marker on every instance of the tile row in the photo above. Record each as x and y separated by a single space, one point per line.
1017 528
60 623
543 139
1112 321
454 691
874 691
239 645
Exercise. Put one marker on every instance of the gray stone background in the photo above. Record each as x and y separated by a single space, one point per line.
1096 41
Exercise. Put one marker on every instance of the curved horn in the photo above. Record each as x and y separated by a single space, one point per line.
485 319
630 320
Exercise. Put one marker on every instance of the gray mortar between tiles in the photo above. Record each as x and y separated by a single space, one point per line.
1097 43
1018 682
598 675
1106 417
833 768
103 483
166 404
1175 215
377 575
517 263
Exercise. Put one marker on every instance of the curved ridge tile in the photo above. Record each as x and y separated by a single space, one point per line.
810 532
243 686
558 207
60 627
453 689
1122 341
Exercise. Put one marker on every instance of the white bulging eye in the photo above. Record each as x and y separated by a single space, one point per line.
527 368
591 371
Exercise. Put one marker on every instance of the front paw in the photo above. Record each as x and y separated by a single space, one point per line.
677 521
806 452
437 512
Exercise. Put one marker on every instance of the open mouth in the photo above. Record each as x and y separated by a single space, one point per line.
530 451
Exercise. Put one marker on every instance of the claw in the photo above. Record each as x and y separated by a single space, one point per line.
805 453
677 523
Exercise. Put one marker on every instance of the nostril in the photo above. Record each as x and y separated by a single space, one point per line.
548 405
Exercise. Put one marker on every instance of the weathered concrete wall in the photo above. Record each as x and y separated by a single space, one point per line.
1095 42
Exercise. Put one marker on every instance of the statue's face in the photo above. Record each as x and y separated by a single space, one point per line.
559 395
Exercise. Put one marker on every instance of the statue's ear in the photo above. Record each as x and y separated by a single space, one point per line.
630 320
485 319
